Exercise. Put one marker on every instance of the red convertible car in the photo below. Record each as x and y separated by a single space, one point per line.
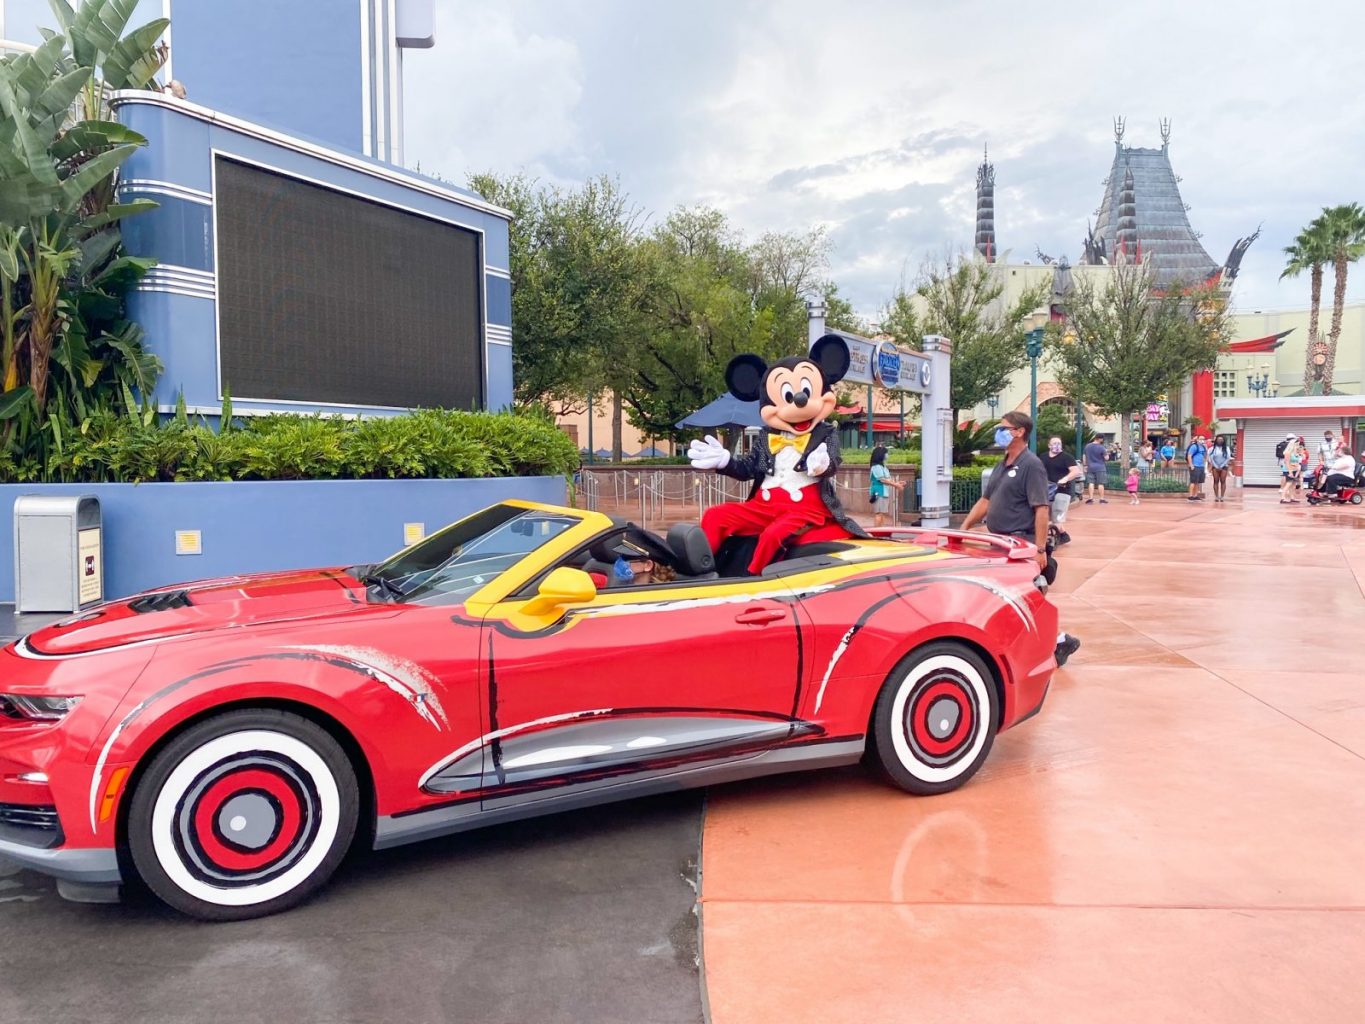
228 741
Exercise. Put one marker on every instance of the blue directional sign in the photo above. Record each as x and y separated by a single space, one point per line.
888 368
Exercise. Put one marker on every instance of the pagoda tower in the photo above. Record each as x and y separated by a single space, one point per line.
1143 216
985 208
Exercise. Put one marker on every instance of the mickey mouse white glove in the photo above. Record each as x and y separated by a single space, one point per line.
708 454
818 461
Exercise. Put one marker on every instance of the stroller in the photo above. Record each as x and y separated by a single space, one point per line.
1352 493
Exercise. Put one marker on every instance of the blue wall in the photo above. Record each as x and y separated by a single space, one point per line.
264 525
288 65
176 302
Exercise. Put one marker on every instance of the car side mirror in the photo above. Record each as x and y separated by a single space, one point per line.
563 586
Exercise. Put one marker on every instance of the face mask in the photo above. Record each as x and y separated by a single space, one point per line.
1003 436
1054 448
622 569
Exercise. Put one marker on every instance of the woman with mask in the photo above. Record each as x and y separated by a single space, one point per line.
1061 469
1219 462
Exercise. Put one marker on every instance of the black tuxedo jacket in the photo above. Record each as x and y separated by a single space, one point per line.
759 462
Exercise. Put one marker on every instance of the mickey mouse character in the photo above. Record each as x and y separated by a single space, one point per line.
794 471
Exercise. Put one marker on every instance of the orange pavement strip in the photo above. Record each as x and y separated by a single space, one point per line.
1179 835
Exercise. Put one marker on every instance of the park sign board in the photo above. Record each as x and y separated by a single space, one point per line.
885 364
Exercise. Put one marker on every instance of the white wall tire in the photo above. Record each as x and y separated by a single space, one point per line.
243 815
935 719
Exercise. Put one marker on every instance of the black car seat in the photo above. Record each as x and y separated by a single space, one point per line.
692 553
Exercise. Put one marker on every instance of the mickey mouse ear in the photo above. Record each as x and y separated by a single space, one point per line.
830 353
744 376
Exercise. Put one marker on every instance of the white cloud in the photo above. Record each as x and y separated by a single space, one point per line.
871 119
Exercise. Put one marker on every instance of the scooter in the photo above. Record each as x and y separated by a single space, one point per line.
1347 494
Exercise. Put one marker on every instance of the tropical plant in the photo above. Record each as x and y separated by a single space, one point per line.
971 438
1309 252
67 350
1343 228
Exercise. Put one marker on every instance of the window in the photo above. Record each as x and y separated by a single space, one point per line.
458 560
1224 383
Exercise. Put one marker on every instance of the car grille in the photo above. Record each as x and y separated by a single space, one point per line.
162 602
31 824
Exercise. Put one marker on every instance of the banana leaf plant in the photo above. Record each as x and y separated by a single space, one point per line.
67 349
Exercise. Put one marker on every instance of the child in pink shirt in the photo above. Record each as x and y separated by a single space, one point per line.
1132 484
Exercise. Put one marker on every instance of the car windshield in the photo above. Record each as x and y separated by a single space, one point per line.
460 559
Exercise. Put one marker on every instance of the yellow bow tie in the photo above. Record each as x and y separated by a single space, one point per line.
776 442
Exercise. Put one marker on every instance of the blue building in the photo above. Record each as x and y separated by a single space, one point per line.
300 268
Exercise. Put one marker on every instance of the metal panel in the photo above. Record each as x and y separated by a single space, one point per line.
48 569
1259 465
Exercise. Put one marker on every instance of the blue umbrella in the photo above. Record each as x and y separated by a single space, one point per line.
649 453
725 411
601 453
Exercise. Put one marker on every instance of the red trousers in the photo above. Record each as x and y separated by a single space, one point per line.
773 519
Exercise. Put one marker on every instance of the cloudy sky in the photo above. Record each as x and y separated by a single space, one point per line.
869 116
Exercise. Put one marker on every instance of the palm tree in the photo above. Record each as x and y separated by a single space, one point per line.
1343 228
1309 252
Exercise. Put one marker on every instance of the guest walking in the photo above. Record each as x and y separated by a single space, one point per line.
1096 469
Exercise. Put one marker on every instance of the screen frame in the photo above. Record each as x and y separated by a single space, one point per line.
215 154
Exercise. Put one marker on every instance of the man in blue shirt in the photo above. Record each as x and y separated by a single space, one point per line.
1195 456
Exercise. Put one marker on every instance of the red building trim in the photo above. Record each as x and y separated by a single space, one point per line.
1267 344
1203 398
1258 412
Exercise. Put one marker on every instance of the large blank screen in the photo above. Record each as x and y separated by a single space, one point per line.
324 297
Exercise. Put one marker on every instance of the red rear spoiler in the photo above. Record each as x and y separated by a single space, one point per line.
1013 548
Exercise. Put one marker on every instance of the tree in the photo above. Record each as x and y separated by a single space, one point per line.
1130 342
1310 252
577 289
962 298
712 297
1343 229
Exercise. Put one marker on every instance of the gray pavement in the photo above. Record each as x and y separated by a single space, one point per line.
585 916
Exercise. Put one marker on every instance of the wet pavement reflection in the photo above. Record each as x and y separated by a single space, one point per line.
1177 835
583 916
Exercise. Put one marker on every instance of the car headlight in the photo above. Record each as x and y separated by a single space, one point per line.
43 709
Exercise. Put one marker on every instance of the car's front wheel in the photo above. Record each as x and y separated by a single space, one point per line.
244 814
935 719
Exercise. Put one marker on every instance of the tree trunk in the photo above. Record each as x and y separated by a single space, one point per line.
1338 304
616 417
1315 302
1124 420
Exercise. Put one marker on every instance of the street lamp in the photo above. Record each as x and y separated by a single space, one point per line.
1259 385
1034 350
991 404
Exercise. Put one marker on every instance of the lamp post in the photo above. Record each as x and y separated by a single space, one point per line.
1034 349
1260 384
991 404
591 457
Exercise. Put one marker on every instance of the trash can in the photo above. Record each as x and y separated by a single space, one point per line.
58 553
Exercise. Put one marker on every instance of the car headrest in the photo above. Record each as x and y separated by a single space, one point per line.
690 547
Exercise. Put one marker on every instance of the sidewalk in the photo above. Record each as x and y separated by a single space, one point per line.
13 626
1177 836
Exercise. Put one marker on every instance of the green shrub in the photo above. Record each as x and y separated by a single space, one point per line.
428 443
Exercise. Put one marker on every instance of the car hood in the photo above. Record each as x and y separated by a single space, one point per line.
206 605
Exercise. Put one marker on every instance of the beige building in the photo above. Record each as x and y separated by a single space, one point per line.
1283 367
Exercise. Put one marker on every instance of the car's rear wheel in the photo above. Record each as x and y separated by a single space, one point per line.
1356 499
935 719
244 814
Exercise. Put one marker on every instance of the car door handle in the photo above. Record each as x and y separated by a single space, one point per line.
760 616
